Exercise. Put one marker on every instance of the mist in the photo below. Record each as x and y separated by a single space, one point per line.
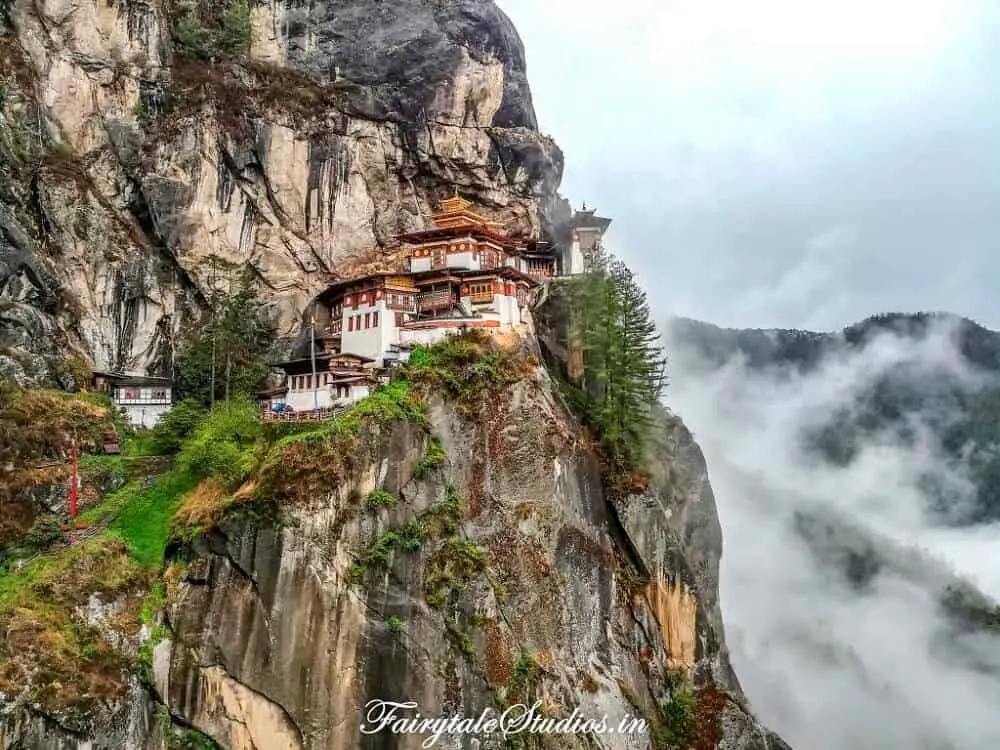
828 665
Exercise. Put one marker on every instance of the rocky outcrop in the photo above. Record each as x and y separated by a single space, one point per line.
133 176
134 179
467 558
539 590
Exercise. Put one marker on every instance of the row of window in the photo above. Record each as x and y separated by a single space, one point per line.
403 300
135 394
476 290
354 322
305 382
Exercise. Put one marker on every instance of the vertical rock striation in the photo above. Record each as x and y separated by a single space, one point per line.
127 168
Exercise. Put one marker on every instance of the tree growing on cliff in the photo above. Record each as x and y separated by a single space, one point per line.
226 356
237 28
623 361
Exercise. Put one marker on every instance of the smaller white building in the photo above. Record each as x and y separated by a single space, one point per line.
331 380
586 235
143 398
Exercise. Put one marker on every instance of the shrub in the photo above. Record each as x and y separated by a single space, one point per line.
451 568
379 499
174 427
433 459
191 39
471 367
223 444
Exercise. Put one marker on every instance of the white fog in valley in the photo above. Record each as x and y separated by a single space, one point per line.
828 667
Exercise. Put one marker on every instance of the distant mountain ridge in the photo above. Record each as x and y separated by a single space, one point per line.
764 347
964 417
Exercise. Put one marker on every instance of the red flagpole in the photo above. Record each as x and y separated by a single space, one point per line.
72 486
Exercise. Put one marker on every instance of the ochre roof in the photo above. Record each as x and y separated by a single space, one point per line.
457 212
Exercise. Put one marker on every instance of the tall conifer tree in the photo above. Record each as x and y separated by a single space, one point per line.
624 365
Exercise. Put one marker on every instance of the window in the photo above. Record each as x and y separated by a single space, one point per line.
480 290
399 319
160 394
350 324
374 320
131 394
368 320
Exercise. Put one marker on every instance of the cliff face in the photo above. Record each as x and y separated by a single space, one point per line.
275 647
465 558
126 166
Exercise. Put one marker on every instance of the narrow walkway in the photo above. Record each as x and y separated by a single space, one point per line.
304 416
69 539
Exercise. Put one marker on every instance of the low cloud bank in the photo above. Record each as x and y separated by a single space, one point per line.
836 649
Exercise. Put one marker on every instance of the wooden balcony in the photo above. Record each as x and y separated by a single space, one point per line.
482 298
429 301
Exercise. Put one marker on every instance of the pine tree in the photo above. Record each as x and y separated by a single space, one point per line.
225 356
624 366
237 28
640 362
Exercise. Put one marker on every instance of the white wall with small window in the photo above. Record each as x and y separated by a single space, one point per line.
308 392
369 329
348 393
321 391
143 404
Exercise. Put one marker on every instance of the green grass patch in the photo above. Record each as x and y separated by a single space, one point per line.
65 579
312 461
145 518
112 503
451 569
397 401
434 459
379 499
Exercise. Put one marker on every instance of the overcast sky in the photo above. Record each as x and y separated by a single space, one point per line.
788 163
